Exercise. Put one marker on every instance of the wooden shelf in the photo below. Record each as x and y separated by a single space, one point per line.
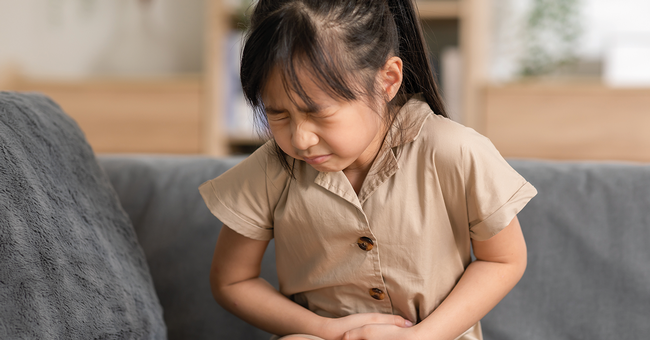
161 115
575 120
234 140
439 9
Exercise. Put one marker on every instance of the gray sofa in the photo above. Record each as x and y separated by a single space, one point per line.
588 236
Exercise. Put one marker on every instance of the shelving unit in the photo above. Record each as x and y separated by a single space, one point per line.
566 120
447 9
186 114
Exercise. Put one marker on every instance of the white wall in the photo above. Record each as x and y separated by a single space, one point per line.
81 38
603 23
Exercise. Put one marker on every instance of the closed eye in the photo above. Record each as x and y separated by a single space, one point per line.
275 115
322 113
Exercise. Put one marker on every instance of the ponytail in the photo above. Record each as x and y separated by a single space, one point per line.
417 73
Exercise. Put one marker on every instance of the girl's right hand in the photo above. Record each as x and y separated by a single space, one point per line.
334 328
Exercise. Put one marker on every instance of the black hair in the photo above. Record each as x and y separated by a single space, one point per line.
343 44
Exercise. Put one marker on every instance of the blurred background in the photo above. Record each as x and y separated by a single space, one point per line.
552 79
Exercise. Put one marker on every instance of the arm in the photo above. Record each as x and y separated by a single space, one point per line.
236 285
500 263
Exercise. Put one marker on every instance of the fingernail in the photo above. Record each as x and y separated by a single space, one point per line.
408 323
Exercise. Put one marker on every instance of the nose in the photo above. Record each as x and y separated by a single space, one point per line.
303 135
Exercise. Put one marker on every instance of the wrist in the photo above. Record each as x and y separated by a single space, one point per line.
420 332
323 327
415 332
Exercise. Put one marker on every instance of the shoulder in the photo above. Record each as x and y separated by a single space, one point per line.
449 141
260 169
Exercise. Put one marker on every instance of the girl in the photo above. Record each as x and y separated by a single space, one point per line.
373 196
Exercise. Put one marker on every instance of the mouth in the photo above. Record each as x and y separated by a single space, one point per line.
316 160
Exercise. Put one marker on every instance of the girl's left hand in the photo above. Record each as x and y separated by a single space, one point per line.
381 332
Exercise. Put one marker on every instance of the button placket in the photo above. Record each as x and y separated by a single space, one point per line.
376 288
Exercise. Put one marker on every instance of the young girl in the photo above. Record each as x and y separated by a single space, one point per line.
373 196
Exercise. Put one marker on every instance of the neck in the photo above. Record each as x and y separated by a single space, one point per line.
356 177
357 174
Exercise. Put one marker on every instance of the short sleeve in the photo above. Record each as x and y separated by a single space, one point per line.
495 192
244 197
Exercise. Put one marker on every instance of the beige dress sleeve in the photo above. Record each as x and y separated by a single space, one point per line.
495 192
244 197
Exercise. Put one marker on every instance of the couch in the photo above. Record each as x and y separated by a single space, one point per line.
587 231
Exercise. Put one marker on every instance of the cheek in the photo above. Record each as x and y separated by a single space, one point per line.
282 137
367 125
347 141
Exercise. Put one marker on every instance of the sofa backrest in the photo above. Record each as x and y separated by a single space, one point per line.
178 234
587 232
588 237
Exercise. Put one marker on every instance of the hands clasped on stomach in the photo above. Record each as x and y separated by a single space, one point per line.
371 326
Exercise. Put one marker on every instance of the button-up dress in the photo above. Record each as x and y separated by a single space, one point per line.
400 245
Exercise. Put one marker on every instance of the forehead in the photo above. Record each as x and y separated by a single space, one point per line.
302 90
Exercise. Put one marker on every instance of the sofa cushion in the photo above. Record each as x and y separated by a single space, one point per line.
588 274
70 263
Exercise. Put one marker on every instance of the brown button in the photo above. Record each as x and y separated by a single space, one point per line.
377 294
365 243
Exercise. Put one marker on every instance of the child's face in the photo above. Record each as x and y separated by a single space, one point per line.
333 136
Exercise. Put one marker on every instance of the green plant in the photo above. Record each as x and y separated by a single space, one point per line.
552 32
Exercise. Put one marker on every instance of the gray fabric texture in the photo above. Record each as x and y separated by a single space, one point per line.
70 264
178 234
587 232
588 237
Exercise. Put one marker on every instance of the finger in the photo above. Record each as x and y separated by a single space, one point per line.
353 334
389 319
367 332
401 322
361 333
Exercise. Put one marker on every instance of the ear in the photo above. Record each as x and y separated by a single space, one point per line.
390 77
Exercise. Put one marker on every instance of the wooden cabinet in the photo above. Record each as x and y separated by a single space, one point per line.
569 121
131 116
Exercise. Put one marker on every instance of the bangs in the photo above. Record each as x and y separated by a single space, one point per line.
328 77
289 41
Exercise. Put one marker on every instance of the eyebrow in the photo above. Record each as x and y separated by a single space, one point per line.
309 109
272 110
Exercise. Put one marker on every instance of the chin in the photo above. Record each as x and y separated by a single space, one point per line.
326 167
322 168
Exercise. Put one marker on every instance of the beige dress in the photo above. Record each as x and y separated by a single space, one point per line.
398 247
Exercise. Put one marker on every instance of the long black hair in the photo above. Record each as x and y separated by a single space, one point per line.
343 44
